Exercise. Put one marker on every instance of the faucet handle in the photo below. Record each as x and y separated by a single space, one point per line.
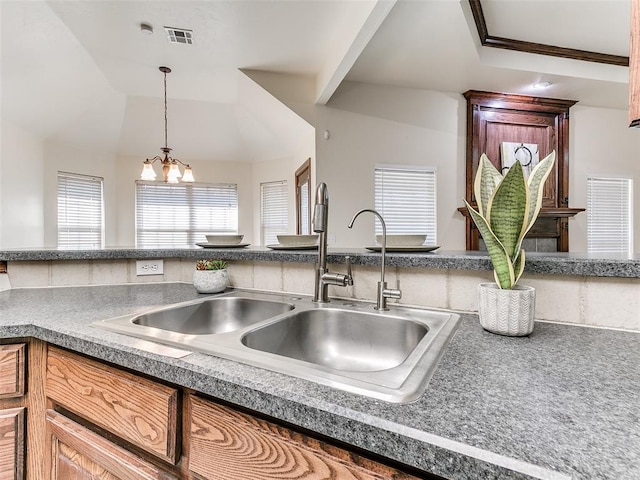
392 293
349 279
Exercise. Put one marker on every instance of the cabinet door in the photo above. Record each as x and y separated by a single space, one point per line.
136 409
12 444
229 445
634 66
11 370
80 454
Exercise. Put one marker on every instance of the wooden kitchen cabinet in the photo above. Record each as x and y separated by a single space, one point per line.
100 422
138 410
12 370
229 445
77 453
12 443
12 411
634 66
494 118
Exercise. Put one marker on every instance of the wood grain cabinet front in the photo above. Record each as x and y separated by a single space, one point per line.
12 368
12 423
140 411
80 454
12 411
229 445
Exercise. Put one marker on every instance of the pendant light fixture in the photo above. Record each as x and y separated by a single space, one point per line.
170 166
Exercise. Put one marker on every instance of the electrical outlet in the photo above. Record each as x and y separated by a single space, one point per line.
149 267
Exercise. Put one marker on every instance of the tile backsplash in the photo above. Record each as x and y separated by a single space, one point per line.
586 300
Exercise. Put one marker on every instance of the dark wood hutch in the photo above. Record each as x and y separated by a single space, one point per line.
493 118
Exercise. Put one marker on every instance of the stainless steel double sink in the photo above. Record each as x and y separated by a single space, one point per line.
344 344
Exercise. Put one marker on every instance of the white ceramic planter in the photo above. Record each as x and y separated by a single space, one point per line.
210 281
506 312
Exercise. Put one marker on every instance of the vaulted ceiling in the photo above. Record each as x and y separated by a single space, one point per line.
82 72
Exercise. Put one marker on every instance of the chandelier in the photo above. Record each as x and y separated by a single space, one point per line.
170 166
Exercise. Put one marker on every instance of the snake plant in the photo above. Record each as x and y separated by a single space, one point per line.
507 209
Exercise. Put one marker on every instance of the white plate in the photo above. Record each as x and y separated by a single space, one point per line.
419 248
277 246
233 245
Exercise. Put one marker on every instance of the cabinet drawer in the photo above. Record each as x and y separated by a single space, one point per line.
12 444
229 445
138 410
80 454
12 364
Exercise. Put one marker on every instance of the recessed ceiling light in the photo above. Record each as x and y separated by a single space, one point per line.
542 85
179 35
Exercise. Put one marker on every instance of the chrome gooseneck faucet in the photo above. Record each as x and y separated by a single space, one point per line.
383 292
323 277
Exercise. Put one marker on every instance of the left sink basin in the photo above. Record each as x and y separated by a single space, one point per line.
202 317
214 315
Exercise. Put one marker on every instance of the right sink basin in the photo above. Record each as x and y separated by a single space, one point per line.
340 339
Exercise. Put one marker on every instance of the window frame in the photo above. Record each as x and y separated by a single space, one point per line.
87 218
599 233
268 232
204 203
430 209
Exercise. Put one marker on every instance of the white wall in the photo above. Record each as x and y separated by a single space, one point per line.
21 188
601 143
75 160
370 124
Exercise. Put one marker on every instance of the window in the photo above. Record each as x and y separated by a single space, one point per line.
80 211
273 211
405 196
170 215
609 215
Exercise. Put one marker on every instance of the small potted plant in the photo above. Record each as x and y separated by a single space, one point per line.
507 209
210 276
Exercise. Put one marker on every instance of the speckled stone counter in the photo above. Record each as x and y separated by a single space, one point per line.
547 263
560 404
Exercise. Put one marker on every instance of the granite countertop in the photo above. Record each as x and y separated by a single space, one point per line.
559 404
547 263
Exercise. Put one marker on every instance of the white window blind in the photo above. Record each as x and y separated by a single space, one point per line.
273 211
174 216
609 215
405 196
80 211
305 214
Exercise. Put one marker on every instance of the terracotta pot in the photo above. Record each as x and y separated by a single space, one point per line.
506 312
210 281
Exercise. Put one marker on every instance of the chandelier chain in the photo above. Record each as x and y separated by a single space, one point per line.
165 110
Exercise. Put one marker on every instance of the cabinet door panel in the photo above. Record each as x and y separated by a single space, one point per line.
136 409
11 370
80 454
12 444
229 445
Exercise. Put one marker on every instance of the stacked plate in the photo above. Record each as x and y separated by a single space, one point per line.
295 242
403 243
223 241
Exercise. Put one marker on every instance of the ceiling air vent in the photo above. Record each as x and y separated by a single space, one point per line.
179 35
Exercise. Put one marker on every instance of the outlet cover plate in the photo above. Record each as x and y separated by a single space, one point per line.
149 267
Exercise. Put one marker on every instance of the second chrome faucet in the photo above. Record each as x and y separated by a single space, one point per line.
324 278
383 292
